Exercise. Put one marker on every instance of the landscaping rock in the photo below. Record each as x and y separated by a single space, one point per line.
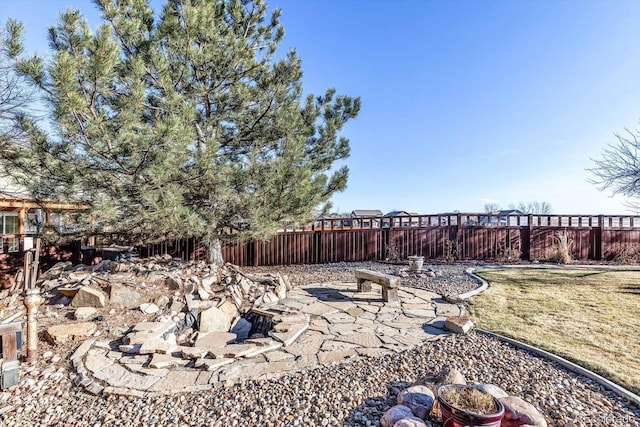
89 297
445 376
492 389
59 334
214 320
229 308
162 301
395 414
215 339
172 284
518 412
411 422
84 313
149 308
122 296
419 399
106 266
209 280
68 291
458 324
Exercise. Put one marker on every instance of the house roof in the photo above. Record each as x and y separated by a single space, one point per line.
397 213
10 190
511 212
13 196
366 212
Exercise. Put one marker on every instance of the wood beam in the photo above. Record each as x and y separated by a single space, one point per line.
22 215
30 204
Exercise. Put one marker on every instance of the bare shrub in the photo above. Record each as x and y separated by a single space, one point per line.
451 251
627 253
562 248
506 253
392 253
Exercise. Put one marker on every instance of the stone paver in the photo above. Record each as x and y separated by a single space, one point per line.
316 324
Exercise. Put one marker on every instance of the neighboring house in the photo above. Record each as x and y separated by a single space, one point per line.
367 214
397 218
21 215
500 217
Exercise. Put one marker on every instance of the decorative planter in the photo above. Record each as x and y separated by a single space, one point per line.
453 416
415 263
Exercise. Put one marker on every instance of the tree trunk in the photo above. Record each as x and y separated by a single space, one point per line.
215 252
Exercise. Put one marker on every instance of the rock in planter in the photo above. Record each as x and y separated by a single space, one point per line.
518 412
89 297
123 297
395 414
419 399
458 324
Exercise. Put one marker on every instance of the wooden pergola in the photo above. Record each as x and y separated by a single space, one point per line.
22 206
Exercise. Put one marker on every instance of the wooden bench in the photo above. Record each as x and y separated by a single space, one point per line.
389 283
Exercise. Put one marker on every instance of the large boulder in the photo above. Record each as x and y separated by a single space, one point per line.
518 412
89 297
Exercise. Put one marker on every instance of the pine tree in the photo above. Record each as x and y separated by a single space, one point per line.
182 126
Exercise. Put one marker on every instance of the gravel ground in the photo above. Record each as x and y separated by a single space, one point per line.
354 393
450 278
349 394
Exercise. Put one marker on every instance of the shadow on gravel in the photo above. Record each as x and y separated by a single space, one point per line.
369 413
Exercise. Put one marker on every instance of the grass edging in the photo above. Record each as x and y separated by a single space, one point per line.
483 284
577 369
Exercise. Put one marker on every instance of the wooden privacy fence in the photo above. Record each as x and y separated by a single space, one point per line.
443 236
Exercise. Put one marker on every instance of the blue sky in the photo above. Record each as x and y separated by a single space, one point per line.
463 102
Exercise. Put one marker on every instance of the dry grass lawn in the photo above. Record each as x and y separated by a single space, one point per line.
589 315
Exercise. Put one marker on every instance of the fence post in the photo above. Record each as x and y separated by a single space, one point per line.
529 238
599 244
